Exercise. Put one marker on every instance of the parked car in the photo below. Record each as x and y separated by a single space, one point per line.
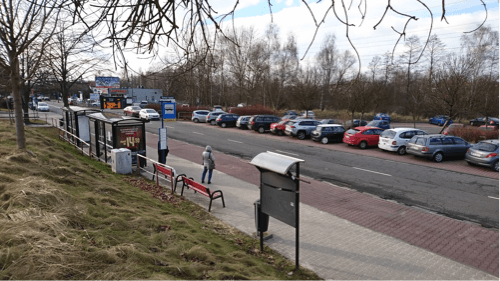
327 133
440 120
397 138
143 104
290 112
332 121
290 116
149 114
357 123
212 117
451 127
483 120
242 122
483 129
301 128
279 128
227 120
363 136
132 111
199 116
437 146
382 116
484 153
42 106
382 124
310 114
262 123
96 103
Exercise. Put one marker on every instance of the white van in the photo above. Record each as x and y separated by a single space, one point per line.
397 138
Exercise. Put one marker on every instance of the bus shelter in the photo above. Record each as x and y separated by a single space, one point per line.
76 122
112 131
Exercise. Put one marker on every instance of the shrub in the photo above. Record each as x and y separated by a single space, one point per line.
253 110
473 134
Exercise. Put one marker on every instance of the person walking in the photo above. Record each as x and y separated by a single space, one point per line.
208 164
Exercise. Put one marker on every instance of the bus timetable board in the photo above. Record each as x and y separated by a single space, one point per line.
112 102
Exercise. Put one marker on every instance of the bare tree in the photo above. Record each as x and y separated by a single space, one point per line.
414 94
71 57
22 24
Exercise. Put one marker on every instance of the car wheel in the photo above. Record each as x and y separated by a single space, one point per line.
324 140
402 150
280 132
301 135
495 167
438 157
363 145
262 130
472 123
223 125
212 122
195 120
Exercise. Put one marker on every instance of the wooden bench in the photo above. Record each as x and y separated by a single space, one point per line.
163 171
198 187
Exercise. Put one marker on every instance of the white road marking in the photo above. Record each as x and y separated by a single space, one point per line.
287 152
234 141
372 172
170 127
198 133
492 197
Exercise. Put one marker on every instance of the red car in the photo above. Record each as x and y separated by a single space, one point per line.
279 127
132 111
451 127
362 136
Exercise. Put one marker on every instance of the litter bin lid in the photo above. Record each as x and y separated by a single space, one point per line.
275 162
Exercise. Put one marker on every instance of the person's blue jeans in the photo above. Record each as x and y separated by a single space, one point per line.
205 173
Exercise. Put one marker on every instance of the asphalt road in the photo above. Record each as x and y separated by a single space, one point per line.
459 195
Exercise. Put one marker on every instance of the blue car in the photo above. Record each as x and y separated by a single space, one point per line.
440 120
382 116
382 124
227 120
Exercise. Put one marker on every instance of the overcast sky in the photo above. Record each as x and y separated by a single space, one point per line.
292 16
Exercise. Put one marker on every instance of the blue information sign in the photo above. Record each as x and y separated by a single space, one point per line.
168 110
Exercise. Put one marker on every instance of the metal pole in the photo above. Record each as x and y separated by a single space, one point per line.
172 180
259 214
297 201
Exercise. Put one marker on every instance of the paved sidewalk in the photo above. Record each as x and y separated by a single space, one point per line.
345 234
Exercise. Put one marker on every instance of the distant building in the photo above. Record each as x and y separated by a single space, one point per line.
137 94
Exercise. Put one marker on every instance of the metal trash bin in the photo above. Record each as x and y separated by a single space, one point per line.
262 221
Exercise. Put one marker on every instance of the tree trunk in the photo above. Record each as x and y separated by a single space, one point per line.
18 109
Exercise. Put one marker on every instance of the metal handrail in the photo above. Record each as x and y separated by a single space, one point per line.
156 174
82 142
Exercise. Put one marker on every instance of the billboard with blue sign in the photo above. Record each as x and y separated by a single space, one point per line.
107 82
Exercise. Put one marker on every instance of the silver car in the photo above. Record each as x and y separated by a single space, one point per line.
242 122
199 116
437 146
484 153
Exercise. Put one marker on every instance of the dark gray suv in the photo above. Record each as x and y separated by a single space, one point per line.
437 146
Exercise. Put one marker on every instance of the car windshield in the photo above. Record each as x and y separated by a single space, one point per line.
42 104
487 147
373 123
150 111
135 108
390 134
352 131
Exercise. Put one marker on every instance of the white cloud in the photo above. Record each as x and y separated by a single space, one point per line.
289 3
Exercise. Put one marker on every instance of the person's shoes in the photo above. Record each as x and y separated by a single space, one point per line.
202 181
208 182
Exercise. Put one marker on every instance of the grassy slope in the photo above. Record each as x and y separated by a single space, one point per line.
64 216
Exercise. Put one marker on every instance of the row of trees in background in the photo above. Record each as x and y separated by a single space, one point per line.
246 68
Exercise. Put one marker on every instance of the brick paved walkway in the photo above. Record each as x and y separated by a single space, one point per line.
460 241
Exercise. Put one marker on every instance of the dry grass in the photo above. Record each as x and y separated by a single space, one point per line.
64 216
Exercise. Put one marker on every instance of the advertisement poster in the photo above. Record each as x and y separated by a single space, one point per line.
130 137
107 82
